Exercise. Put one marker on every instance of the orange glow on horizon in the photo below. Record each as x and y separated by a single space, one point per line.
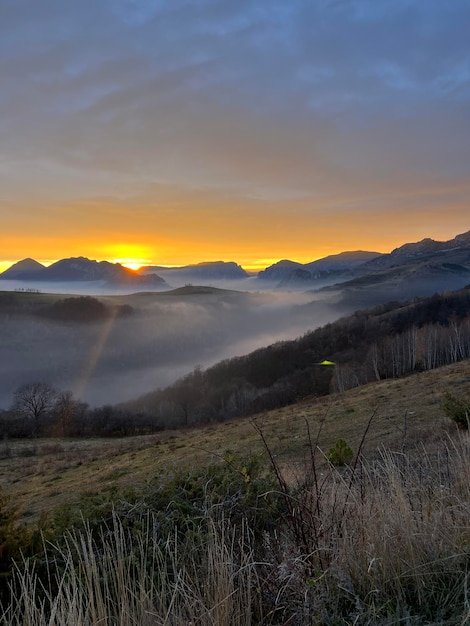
135 264
249 252
132 264
250 264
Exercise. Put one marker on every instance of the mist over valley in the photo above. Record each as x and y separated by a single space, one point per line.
162 337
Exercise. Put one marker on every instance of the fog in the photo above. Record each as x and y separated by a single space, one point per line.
165 337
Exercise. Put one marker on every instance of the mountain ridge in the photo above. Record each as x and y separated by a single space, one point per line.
208 270
334 269
79 269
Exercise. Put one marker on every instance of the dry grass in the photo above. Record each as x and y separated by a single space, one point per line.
385 545
45 473
128 580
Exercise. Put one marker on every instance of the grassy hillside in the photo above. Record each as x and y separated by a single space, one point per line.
191 527
42 474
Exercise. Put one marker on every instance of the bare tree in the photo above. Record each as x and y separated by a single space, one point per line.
65 408
33 401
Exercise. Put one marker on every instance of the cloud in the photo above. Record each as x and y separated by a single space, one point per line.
263 100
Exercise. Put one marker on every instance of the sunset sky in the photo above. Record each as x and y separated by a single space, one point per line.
181 131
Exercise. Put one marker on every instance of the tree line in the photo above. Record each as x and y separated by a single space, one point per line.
84 309
40 410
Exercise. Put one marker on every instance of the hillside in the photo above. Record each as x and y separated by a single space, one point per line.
409 280
385 341
407 415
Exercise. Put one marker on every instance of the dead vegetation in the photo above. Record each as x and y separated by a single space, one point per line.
41 474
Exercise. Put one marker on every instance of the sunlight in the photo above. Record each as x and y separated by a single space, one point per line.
4 265
133 256
133 264
95 355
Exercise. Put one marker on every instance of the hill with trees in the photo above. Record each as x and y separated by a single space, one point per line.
386 341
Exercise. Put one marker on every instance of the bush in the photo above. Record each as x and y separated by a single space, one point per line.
457 409
81 309
179 500
340 453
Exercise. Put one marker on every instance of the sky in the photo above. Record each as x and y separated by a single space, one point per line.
179 131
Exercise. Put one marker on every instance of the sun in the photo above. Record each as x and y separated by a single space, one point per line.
130 255
132 264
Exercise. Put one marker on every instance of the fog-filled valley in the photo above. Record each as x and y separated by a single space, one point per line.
161 337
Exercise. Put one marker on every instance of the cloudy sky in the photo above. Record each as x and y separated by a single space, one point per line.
177 131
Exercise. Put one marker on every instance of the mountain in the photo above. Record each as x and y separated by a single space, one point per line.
455 250
279 270
414 269
211 270
341 262
81 269
364 278
333 268
23 270
426 266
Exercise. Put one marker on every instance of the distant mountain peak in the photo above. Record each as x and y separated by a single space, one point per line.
424 246
80 269
463 239
207 270
289 272
27 266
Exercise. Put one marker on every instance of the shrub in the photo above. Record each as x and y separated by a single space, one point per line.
457 409
340 453
81 309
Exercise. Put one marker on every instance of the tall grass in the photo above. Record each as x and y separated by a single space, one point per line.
382 542
123 580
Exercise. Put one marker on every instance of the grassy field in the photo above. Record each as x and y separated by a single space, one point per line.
42 474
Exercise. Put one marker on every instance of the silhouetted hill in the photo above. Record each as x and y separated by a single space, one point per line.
279 270
81 269
23 270
342 261
211 270
335 267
